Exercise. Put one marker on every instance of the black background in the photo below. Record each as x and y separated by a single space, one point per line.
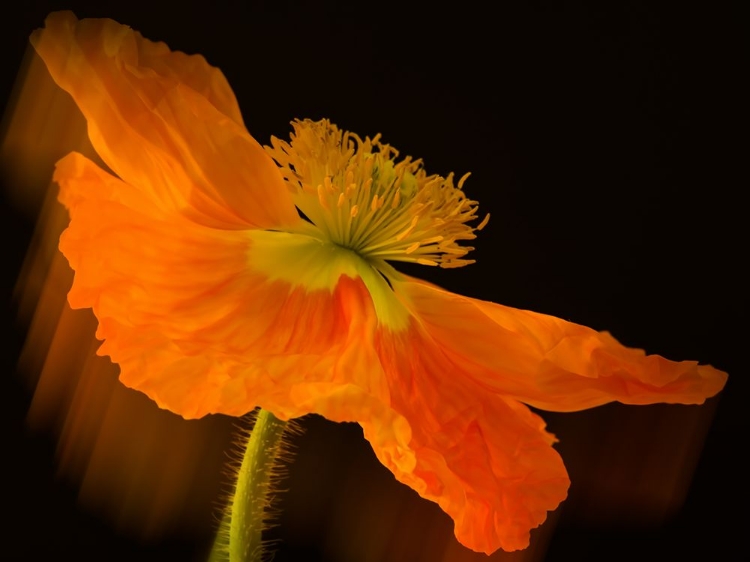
600 138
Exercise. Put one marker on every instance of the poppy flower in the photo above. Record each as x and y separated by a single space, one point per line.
226 276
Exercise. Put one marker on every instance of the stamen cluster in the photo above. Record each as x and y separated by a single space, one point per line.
360 198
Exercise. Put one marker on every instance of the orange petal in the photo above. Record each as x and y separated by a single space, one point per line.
283 348
149 277
165 122
186 316
131 259
485 459
547 362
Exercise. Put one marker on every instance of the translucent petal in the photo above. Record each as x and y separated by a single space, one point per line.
484 458
188 317
166 123
547 362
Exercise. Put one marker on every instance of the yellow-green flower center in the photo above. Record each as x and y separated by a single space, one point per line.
360 198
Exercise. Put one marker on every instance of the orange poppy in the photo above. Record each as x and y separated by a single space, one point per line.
226 276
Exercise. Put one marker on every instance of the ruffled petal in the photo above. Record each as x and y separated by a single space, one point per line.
166 123
193 319
153 279
547 362
485 459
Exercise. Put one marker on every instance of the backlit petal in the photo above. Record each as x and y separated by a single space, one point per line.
194 324
547 362
165 122
485 459
157 282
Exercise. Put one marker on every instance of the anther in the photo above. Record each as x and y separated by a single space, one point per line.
412 248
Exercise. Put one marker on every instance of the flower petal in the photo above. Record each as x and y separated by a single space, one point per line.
191 317
485 459
547 362
154 281
165 122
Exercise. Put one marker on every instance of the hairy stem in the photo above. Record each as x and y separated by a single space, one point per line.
246 518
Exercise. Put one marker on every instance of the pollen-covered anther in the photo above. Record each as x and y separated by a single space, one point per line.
409 229
408 215
484 222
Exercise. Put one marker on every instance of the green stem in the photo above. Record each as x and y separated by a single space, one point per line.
220 548
246 520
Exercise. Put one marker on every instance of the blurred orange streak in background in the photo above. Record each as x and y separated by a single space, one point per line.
148 471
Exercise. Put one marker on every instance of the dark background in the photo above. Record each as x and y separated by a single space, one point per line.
600 138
